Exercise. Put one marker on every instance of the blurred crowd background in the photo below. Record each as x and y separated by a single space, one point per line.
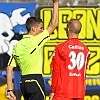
61 2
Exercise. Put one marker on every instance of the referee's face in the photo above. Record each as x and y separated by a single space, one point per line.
39 29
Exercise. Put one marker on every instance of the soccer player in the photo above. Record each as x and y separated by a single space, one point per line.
27 54
69 64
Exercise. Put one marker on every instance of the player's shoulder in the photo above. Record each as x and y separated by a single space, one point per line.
84 45
60 45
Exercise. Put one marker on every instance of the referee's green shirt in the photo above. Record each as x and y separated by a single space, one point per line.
27 53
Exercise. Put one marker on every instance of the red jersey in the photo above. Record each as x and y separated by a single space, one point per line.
69 65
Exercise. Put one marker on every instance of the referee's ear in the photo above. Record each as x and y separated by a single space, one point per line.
33 29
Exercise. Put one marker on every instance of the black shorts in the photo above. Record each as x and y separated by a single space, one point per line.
32 87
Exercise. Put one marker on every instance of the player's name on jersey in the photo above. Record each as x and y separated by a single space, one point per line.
75 47
74 74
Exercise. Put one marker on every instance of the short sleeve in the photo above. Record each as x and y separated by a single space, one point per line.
42 38
12 61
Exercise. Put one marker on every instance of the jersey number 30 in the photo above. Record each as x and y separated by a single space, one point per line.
77 60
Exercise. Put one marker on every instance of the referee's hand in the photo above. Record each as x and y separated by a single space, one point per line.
51 96
55 0
11 96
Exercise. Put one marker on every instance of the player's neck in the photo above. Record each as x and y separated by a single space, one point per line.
73 35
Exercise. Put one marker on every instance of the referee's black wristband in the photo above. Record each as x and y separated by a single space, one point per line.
9 90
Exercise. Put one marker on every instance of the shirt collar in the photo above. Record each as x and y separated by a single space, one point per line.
27 36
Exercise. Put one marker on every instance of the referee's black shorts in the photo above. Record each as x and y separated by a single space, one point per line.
32 87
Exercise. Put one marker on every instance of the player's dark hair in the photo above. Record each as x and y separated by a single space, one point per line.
75 26
32 21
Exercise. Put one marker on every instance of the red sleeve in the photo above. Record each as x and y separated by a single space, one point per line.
55 65
88 58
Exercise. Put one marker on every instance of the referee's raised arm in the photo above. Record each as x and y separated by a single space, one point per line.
54 21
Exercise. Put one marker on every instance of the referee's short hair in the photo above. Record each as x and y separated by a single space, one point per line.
32 21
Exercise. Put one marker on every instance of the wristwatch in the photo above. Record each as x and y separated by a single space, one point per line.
9 90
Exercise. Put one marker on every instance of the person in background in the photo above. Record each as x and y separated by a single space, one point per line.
69 64
27 54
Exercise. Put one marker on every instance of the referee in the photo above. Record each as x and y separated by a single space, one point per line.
27 54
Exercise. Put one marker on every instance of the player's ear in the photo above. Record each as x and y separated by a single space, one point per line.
67 29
